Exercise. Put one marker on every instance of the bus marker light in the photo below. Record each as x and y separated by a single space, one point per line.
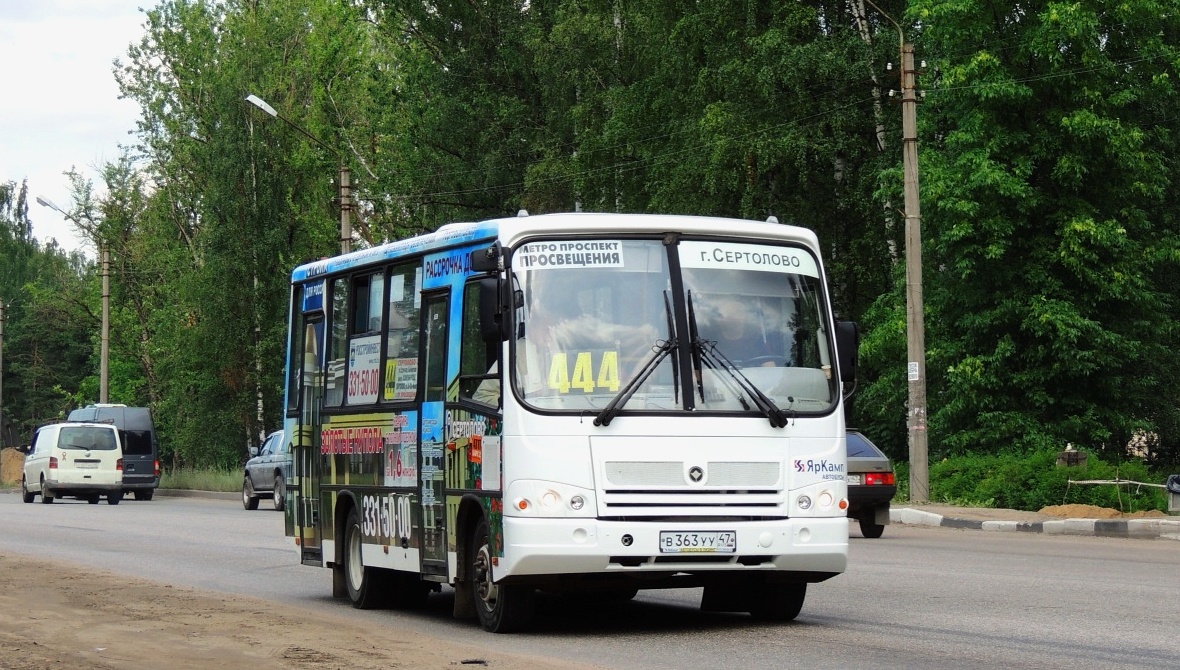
521 504
577 502
804 502
843 504
550 499
825 499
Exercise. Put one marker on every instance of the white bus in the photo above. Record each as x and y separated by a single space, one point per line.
583 404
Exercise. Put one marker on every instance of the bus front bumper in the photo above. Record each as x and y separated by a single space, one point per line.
539 546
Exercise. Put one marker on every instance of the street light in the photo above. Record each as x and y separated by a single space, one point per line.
105 348
344 181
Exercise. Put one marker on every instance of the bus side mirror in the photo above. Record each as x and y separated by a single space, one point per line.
847 344
487 259
493 312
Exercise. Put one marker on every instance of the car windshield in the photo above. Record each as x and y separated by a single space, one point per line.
92 438
593 316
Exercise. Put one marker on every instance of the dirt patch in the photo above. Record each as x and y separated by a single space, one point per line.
1095 512
55 614
11 464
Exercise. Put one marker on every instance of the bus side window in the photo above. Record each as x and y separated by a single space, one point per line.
338 353
477 358
401 335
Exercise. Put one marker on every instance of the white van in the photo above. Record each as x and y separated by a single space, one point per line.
83 460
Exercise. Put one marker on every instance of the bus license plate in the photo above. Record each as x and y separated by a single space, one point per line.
853 480
708 542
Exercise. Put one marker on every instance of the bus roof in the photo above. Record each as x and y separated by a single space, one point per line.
510 230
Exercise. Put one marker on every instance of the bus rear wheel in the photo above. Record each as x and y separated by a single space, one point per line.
501 608
366 584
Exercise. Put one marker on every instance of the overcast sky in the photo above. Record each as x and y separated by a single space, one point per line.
59 103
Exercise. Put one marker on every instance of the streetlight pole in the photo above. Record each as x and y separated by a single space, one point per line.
344 182
915 320
105 339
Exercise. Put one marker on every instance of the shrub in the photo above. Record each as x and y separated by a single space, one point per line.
1031 481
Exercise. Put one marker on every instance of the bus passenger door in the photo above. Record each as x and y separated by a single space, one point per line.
305 442
431 457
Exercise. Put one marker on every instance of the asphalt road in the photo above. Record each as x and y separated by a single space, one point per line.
916 598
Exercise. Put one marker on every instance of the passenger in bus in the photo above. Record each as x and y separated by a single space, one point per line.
739 338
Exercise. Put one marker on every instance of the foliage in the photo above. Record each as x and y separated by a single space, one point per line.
1032 481
223 480
1048 155
1052 251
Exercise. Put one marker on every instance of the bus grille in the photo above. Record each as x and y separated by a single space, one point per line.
740 488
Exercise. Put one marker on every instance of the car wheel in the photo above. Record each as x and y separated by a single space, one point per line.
249 500
279 494
115 498
869 529
143 495
777 602
26 494
501 608
93 498
45 497
366 584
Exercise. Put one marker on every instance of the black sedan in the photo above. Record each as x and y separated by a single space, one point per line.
870 485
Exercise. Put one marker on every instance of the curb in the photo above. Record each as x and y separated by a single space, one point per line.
1148 529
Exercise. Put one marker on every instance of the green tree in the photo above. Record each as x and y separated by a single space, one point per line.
1047 171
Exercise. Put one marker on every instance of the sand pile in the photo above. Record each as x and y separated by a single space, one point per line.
11 463
1095 512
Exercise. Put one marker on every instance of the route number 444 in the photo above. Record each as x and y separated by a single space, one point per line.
584 376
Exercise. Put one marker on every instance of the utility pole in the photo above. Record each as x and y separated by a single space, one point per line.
345 208
105 348
915 319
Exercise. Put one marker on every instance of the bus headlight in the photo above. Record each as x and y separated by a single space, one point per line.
536 498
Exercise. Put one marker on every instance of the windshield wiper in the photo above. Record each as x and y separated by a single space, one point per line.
704 350
659 352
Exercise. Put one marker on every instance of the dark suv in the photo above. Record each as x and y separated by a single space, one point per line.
870 485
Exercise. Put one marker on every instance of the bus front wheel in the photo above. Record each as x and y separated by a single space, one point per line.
365 583
778 602
501 608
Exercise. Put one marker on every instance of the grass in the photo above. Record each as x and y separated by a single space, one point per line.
204 479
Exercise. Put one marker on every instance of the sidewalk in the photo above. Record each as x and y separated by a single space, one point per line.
1010 520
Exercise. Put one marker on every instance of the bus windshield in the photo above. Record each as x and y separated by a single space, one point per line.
594 314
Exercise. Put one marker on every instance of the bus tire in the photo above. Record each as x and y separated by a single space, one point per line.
501 608
366 584
777 602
